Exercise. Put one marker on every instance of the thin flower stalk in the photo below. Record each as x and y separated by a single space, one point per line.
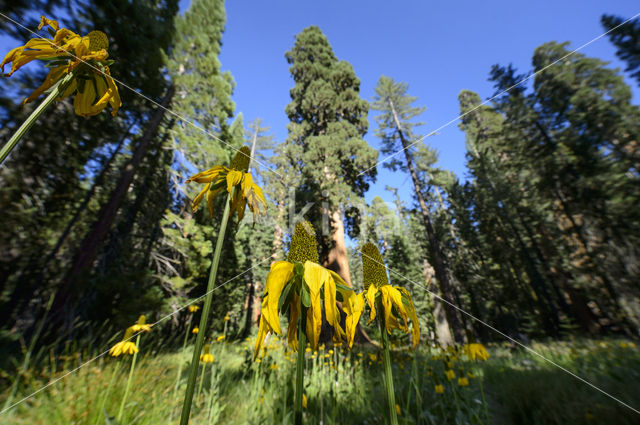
128 386
204 318
388 373
242 191
116 369
302 342
392 305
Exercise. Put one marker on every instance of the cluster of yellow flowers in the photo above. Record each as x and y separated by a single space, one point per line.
126 346
457 354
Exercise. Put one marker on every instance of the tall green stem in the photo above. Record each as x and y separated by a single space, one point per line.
27 357
302 343
193 368
56 91
179 373
388 373
200 385
106 396
126 389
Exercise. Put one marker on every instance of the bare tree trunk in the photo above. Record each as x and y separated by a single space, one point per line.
441 273
337 257
443 333
89 247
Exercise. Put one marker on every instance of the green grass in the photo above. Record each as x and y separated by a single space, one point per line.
344 388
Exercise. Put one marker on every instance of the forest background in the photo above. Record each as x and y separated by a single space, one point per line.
532 199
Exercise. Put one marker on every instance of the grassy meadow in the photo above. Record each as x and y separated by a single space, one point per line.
341 387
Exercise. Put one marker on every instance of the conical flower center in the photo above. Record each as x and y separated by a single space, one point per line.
303 244
142 320
373 270
98 41
240 162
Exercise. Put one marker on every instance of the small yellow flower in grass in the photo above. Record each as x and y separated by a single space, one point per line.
439 389
301 280
195 330
396 301
373 357
68 52
206 357
463 382
476 351
125 346
221 178
304 400
141 325
308 349
449 374
193 308
226 318
220 338
273 367
398 411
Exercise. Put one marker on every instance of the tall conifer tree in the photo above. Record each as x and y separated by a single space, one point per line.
328 122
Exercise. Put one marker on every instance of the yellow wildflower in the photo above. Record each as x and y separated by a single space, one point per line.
373 357
206 357
476 351
141 325
300 280
439 389
195 330
220 178
463 382
226 318
125 346
377 284
449 374
220 338
304 400
85 57
398 411
193 308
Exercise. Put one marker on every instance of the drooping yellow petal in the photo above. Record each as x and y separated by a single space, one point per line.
44 22
315 276
263 328
280 274
106 91
211 195
392 297
33 49
198 199
234 177
331 309
83 101
114 100
207 176
411 311
313 328
370 295
55 74
353 305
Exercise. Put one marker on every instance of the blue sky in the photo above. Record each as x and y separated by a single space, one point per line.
438 48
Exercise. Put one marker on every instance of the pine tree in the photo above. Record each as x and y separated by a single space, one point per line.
396 131
627 39
328 121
